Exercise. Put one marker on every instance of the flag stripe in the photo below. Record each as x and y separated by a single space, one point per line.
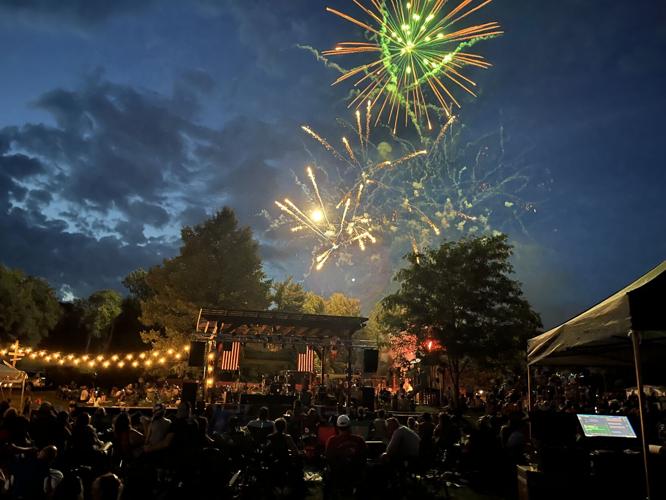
306 360
229 359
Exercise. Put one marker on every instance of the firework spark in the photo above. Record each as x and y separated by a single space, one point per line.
333 231
340 221
419 47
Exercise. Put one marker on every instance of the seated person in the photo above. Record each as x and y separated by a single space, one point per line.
404 443
261 426
378 430
281 447
345 453
85 443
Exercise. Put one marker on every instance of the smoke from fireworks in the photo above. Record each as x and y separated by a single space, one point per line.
406 194
419 46
340 222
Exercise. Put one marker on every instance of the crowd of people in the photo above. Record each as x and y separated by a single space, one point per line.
216 451
141 393
209 450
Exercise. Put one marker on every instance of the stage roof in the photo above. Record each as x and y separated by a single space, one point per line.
243 325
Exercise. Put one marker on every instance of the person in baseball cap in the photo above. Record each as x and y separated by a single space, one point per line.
343 422
345 456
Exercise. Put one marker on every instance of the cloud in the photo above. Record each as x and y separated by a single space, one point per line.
107 187
80 13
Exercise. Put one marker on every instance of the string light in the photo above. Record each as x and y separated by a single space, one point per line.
117 360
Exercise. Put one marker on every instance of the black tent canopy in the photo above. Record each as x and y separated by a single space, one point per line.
627 328
600 335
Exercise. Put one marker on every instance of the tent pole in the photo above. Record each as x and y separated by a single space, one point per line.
22 393
529 388
635 341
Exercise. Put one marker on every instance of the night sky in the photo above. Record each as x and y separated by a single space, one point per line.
123 120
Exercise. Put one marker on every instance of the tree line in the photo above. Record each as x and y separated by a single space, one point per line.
218 266
460 295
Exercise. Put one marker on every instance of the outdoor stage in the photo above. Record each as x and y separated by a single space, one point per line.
223 340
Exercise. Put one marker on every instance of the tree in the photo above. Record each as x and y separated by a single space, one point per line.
136 284
314 304
100 311
288 296
338 304
461 295
29 308
218 267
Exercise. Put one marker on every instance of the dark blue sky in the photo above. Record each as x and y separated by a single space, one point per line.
121 121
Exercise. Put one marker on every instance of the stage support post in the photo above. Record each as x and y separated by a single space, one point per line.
635 342
323 366
530 402
349 375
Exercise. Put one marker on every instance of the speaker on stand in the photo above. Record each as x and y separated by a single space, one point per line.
370 360
197 354
189 392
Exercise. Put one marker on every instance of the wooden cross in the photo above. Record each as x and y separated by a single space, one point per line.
16 354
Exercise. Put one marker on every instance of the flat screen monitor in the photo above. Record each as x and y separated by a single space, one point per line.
606 426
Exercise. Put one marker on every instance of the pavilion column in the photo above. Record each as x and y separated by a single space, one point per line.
635 342
323 366
349 373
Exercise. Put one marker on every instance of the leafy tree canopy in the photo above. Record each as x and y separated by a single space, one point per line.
462 295
314 304
288 296
338 304
100 310
136 284
29 308
218 266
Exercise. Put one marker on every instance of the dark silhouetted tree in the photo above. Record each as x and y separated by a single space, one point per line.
218 267
462 295
29 308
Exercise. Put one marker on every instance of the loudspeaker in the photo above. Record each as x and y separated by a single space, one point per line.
197 354
369 398
189 392
370 360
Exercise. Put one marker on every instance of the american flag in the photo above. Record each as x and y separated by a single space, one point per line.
306 360
229 355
